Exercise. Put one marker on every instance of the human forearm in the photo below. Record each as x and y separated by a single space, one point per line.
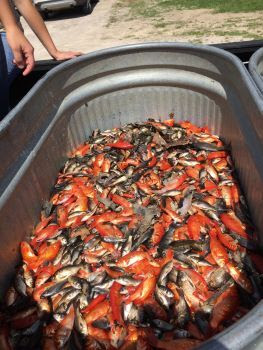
36 23
6 15
20 46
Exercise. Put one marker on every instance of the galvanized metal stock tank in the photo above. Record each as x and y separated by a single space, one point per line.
112 87
256 68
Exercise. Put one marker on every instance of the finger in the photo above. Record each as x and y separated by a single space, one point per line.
73 53
77 53
19 58
29 66
30 63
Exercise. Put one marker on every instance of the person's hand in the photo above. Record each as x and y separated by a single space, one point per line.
65 55
22 50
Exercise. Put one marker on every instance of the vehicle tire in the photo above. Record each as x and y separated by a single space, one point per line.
45 15
87 8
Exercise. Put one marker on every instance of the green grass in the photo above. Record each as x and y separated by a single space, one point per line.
151 8
254 24
194 33
232 33
160 25
155 13
198 34
217 5
143 8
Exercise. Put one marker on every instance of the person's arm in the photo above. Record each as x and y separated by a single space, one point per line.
36 23
20 46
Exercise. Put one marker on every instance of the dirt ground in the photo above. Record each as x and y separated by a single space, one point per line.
111 25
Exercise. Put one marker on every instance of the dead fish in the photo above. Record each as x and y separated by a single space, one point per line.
117 336
110 239
11 296
162 325
53 290
168 237
96 277
188 244
217 278
164 273
142 239
65 272
20 284
80 323
102 324
203 205
82 300
66 300
129 250
132 314
126 247
103 287
186 203
181 310
127 281
164 296
206 146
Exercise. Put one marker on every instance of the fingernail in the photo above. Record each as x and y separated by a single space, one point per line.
21 66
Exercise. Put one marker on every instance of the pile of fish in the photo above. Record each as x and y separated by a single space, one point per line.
145 243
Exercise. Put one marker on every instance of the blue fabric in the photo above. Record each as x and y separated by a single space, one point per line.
8 73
